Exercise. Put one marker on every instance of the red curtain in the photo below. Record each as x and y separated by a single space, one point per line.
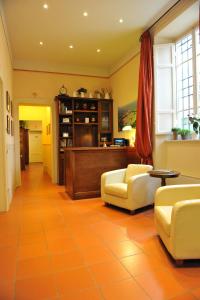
144 120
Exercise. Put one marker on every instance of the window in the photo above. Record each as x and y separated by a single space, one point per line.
187 78
198 67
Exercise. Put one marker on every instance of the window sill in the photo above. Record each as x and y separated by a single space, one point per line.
183 141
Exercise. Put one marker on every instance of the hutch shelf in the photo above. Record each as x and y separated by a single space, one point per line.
82 122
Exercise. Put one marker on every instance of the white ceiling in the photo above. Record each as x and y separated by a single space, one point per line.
63 24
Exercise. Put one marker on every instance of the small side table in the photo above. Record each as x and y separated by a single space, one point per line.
163 174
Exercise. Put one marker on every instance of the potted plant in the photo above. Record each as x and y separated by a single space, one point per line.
185 133
195 121
82 92
175 132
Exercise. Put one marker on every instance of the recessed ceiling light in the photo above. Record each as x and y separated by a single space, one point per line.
98 50
45 6
121 20
85 14
41 43
71 46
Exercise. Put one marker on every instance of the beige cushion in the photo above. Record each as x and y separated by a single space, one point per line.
135 169
117 189
163 216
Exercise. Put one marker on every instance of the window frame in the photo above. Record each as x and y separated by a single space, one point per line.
196 100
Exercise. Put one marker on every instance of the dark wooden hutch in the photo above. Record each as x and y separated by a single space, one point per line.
82 122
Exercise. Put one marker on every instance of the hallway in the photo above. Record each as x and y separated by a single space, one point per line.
54 248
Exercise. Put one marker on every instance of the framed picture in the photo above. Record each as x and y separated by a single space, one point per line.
7 101
11 108
11 127
8 125
127 115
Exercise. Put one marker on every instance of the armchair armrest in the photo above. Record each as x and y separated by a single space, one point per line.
169 195
116 176
142 189
184 228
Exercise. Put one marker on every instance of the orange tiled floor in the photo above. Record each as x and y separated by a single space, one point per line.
54 248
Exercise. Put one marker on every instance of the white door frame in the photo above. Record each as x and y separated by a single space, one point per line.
54 158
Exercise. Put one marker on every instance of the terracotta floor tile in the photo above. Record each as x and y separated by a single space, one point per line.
112 233
29 227
87 240
124 249
33 267
31 238
196 293
6 290
127 290
7 263
32 250
39 288
67 260
188 276
186 296
8 240
155 248
89 294
57 233
61 245
55 223
160 284
73 280
109 272
97 254
140 263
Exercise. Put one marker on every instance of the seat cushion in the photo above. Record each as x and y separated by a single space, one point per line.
135 169
163 217
117 189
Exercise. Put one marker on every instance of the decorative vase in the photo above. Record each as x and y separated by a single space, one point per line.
185 137
82 95
107 96
175 135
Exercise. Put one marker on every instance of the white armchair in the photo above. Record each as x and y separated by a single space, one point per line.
129 188
177 217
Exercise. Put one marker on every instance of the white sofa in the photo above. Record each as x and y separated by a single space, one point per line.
129 188
177 218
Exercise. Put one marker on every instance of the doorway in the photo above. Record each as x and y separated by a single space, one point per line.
35 121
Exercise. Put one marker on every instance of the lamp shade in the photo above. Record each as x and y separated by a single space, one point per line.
127 128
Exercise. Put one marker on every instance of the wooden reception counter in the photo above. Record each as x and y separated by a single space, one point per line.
84 166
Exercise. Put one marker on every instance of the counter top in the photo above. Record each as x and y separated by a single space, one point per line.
95 148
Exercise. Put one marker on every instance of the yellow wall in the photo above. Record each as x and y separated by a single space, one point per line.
7 151
39 85
47 86
124 84
40 113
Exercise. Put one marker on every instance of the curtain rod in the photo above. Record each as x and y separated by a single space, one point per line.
163 15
